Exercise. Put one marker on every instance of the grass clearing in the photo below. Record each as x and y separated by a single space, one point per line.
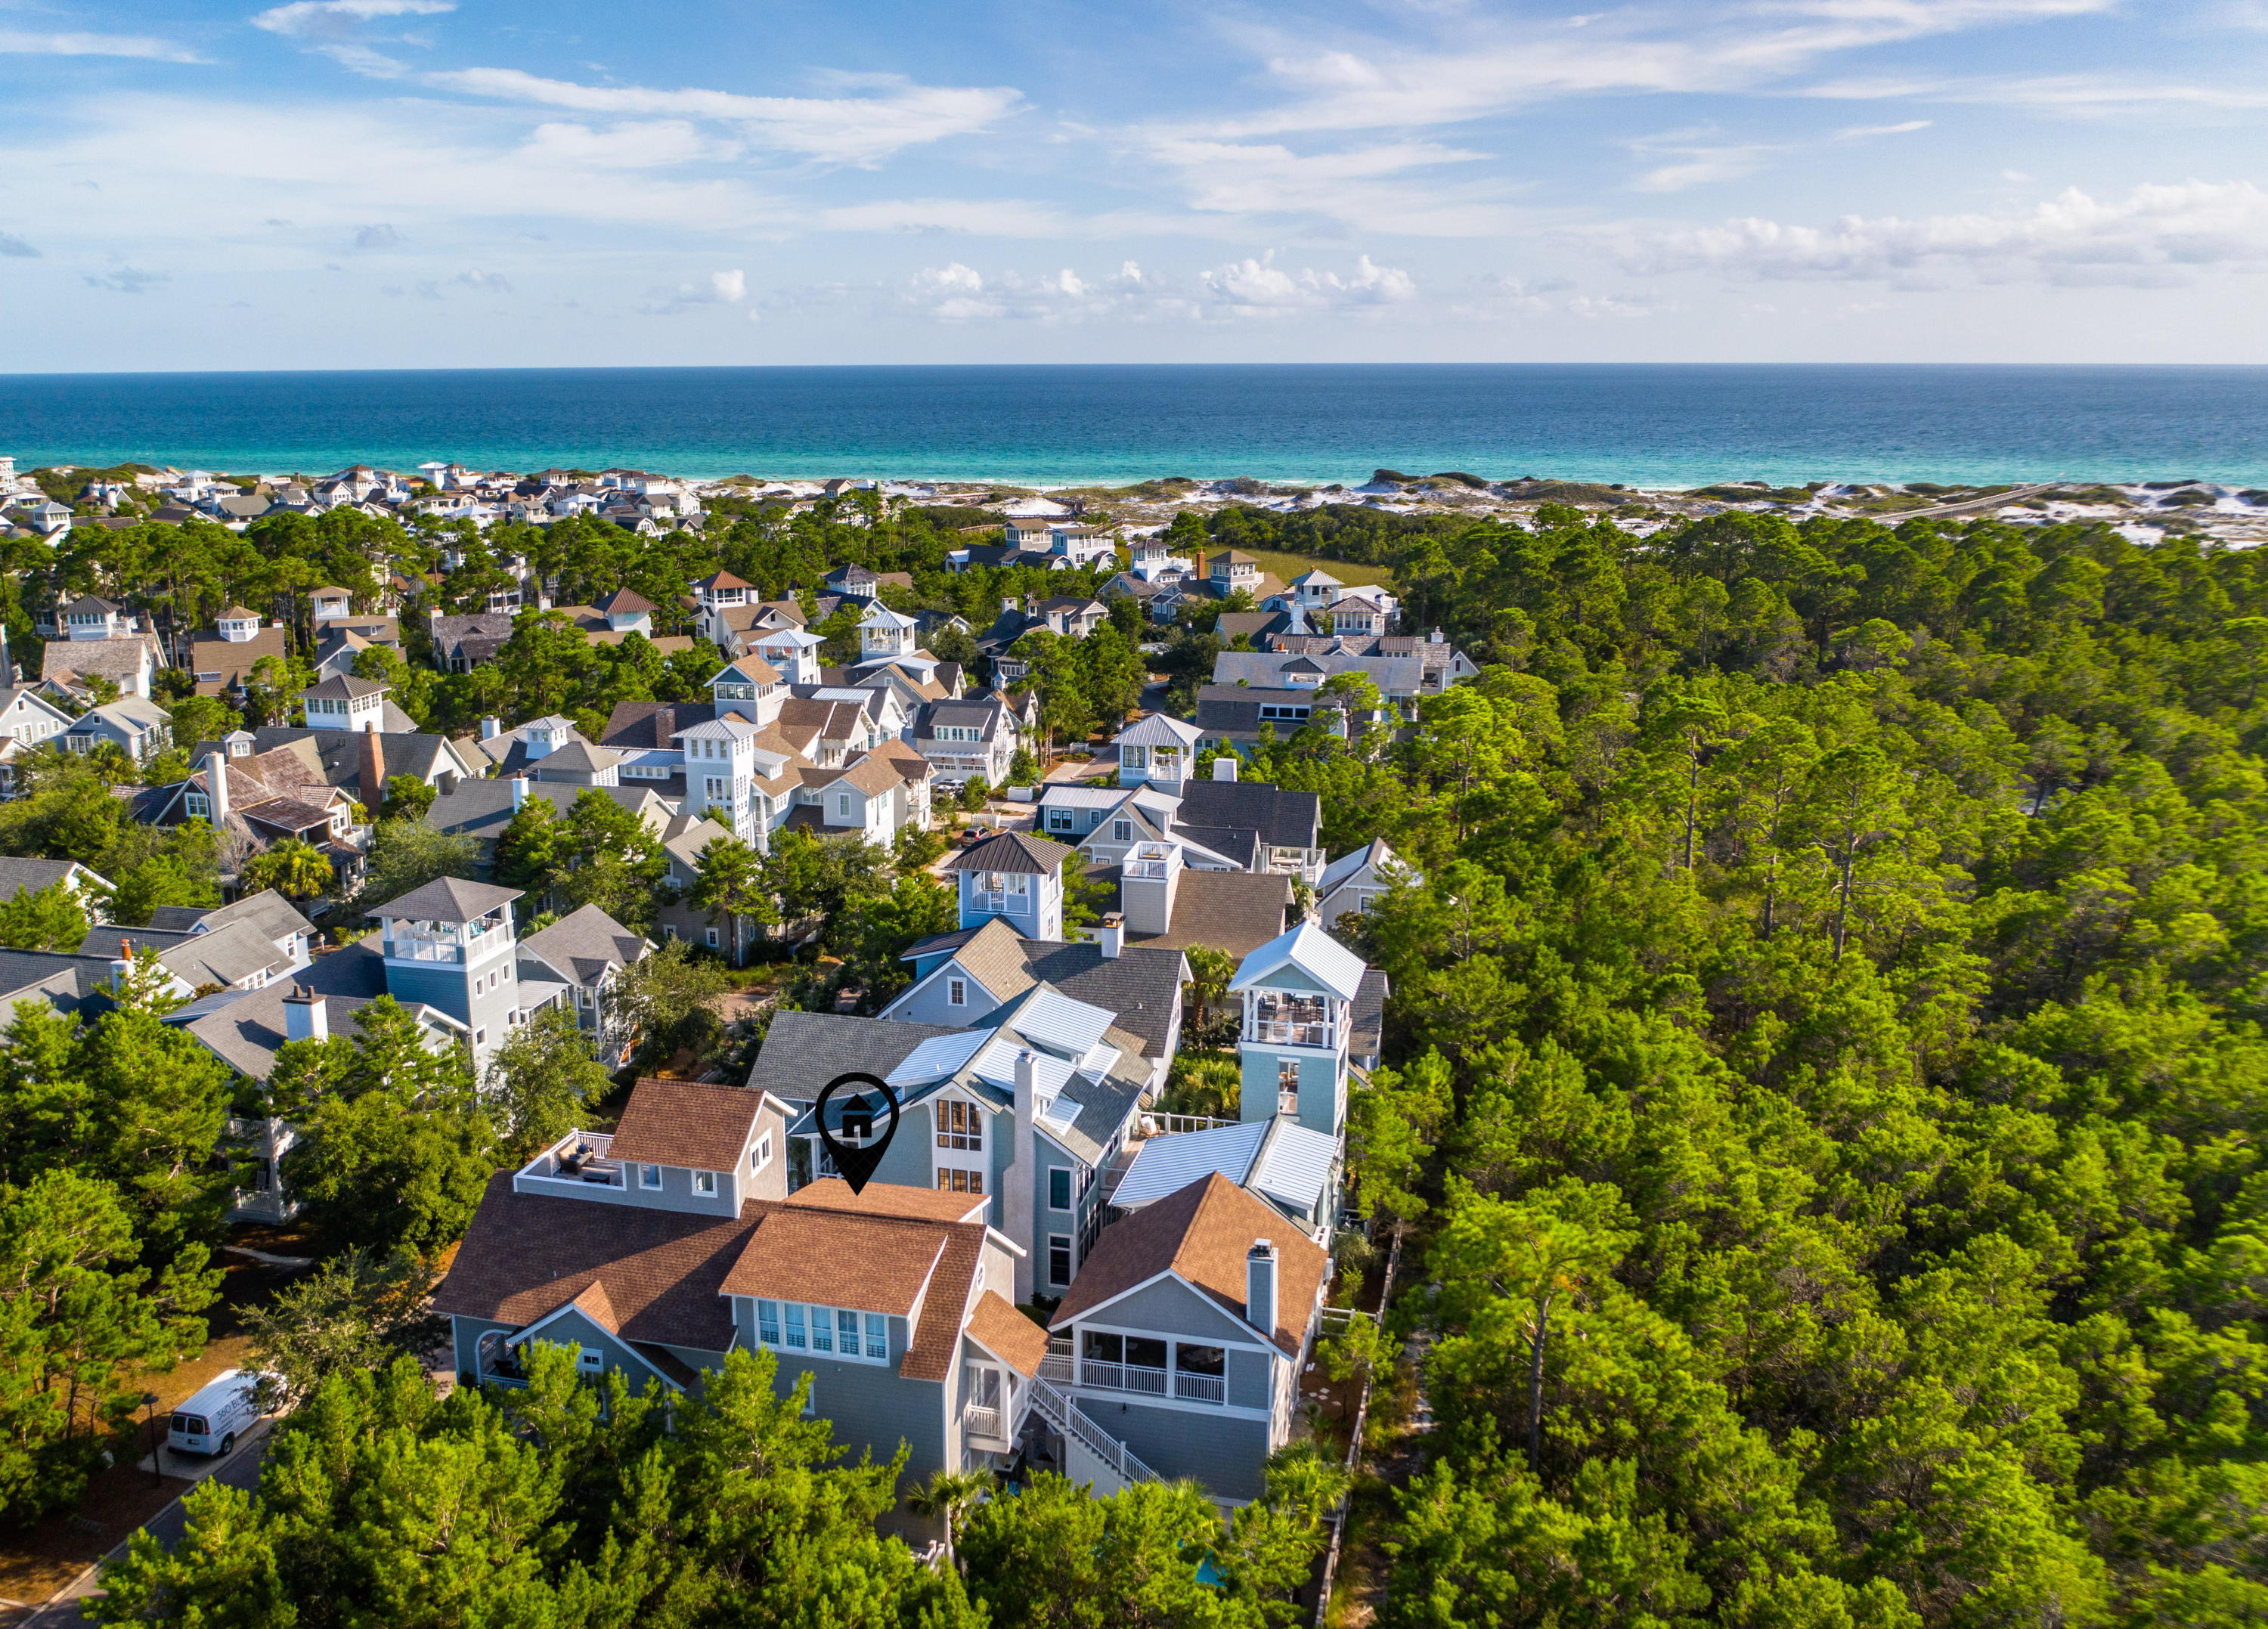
1285 567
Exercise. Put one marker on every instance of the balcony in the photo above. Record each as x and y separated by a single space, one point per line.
984 1422
1201 1388
576 1162
1281 1032
1122 1377
1057 1365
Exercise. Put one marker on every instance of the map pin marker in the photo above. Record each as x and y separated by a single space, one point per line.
857 1160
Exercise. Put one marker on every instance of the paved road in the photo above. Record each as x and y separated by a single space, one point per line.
240 1470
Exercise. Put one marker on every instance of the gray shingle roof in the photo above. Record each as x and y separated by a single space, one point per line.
803 1051
31 875
584 944
1232 910
1290 820
1010 851
447 899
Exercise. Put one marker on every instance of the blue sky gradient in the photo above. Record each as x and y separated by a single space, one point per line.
374 183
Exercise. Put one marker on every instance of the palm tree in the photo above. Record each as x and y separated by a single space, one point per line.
945 1496
295 869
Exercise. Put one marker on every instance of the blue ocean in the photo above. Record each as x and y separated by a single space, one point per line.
1646 426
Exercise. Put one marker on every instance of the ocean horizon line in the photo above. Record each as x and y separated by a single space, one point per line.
1655 427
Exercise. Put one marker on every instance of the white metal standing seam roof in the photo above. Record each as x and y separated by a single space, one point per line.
939 1057
1158 730
1166 1165
995 1065
1061 1024
1296 1165
1314 952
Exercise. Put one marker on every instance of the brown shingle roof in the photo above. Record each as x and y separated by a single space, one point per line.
1007 1334
876 1264
683 1122
595 1304
936 1346
527 1255
832 1193
1202 1233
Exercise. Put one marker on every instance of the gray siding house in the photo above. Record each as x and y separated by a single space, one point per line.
1186 1335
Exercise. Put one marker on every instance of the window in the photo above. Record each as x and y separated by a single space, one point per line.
836 1329
952 1181
588 1362
960 1125
479 1037
1059 820
956 991
1133 757
1287 1086
704 1181
1058 1258
1122 831
761 1156
649 1176
1058 1188
842 805
712 939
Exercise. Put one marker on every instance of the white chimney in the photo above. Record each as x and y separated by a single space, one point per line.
491 727
1111 936
1223 767
519 793
306 1015
1260 1286
1009 604
217 781
1016 1182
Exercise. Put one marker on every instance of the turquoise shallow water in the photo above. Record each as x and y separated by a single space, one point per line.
1646 426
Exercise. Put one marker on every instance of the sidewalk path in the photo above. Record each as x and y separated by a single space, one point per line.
240 1470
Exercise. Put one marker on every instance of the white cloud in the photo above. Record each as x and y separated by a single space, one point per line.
1859 131
126 280
339 28
334 167
16 248
377 239
1490 67
637 145
1259 287
24 42
1696 161
2154 236
724 288
846 130
485 282
988 218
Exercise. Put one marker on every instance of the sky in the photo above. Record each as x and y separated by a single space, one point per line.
424 183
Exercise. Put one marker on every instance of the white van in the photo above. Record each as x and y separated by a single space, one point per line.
211 1421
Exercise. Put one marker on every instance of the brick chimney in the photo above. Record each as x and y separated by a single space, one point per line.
373 771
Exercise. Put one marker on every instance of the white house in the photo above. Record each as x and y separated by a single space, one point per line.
1157 750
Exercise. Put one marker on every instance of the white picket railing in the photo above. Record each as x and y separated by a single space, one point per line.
1067 1420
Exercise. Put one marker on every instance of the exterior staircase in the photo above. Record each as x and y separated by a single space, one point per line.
1092 1454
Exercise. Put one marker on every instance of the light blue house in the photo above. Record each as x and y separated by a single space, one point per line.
1299 992
1015 877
